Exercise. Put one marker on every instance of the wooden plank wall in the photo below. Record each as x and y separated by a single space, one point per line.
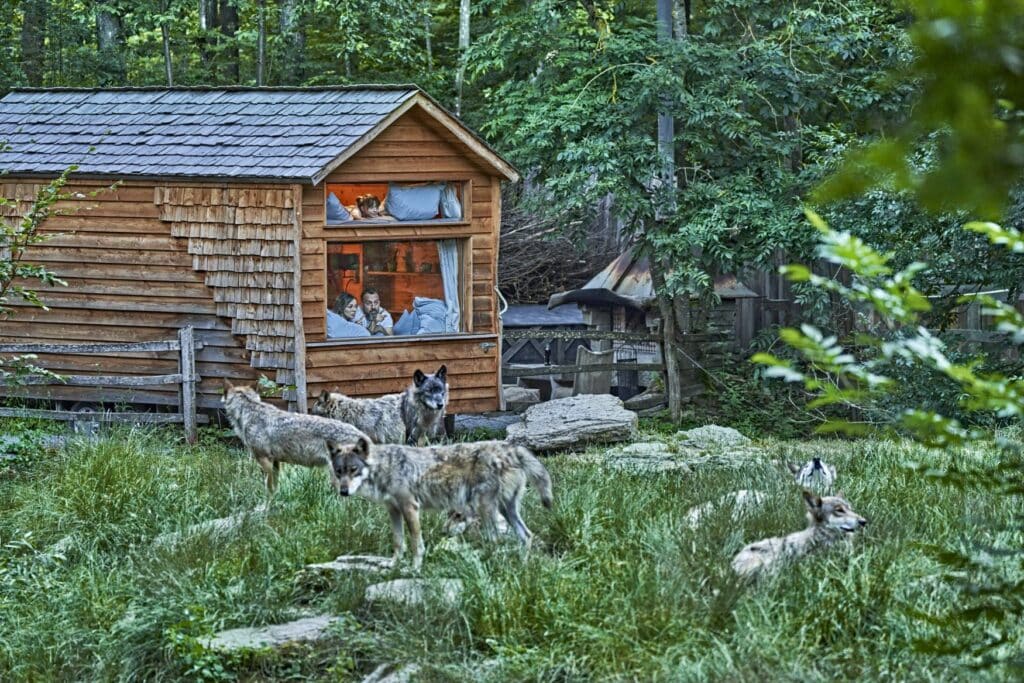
413 149
128 280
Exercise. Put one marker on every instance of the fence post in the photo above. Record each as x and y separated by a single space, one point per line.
187 393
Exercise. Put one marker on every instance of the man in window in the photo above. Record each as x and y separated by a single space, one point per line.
378 320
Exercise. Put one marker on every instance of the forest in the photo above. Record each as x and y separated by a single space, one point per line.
868 152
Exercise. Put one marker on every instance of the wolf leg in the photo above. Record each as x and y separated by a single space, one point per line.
411 513
510 511
397 537
269 468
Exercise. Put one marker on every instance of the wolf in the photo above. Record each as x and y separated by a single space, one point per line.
481 479
830 519
273 436
379 418
423 407
815 474
414 417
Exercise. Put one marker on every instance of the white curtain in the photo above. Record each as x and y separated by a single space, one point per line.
448 251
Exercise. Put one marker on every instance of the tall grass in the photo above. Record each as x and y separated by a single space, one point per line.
617 587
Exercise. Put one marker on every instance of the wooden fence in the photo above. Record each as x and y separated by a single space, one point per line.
186 379
560 335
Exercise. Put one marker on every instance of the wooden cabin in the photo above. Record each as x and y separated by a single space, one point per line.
208 207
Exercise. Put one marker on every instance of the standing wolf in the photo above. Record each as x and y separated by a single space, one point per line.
416 416
477 479
273 436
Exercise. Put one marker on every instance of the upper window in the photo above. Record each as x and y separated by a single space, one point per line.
396 202
395 288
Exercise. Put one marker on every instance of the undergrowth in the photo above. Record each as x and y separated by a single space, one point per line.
616 588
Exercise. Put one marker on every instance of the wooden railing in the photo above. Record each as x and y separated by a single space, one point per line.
515 370
186 379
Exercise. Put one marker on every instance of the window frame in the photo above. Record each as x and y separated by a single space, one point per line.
465 221
465 242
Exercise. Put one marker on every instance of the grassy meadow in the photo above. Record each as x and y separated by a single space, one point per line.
617 588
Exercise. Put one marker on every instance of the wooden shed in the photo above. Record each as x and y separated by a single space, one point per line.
219 221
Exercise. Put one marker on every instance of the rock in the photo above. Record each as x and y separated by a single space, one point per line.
574 422
217 527
646 401
354 563
741 501
495 422
712 437
416 592
393 673
519 398
310 629
646 456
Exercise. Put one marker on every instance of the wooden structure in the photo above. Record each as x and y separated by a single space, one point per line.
218 222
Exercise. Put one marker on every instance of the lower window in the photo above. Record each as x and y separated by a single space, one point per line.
394 288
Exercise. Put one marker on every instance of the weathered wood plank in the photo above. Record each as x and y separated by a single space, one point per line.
67 415
513 371
105 380
187 374
515 334
166 345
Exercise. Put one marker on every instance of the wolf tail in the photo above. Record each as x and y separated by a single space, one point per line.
537 474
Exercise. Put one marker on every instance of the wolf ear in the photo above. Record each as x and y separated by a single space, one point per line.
442 372
793 467
418 377
841 495
812 500
362 448
324 395
228 385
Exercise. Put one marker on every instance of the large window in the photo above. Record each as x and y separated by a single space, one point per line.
395 288
441 201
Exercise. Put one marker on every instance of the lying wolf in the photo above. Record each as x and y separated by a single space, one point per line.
829 518
415 416
480 479
273 436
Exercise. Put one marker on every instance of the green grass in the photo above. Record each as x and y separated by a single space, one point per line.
616 589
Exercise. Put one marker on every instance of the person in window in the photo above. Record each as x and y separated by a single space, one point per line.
378 320
345 318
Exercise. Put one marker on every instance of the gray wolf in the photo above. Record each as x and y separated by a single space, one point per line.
815 475
415 417
273 436
829 519
423 406
379 418
480 479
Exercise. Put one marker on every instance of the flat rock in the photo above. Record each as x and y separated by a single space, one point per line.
574 422
492 421
646 401
307 630
416 592
741 501
393 673
519 398
218 527
645 456
712 437
354 563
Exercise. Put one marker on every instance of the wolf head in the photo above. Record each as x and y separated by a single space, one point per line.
833 512
815 474
348 463
235 396
325 404
431 390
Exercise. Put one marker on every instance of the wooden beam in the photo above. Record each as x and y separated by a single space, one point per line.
299 355
513 371
135 347
68 415
104 380
187 372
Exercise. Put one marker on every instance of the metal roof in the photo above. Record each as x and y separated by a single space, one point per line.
293 134
626 281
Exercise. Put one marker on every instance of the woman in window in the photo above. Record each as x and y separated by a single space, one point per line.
345 318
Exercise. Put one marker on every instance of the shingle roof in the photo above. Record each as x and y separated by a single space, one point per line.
224 133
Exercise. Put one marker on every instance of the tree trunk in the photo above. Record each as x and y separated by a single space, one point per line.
165 34
460 74
427 27
33 36
669 345
110 38
261 43
227 20
293 35
207 22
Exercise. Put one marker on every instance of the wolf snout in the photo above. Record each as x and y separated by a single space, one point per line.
862 521
343 492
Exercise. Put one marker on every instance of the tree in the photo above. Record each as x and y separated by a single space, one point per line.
110 40
33 40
